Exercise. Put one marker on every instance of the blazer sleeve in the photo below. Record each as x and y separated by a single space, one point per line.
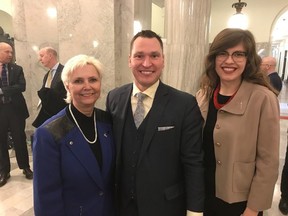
46 165
17 82
192 156
267 159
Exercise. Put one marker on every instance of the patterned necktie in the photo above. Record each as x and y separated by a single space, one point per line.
139 112
4 76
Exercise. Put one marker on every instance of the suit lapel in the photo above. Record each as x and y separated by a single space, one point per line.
57 75
123 101
159 104
81 150
104 136
11 75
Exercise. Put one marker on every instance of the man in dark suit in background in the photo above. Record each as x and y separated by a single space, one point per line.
159 163
13 114
268 66
52 92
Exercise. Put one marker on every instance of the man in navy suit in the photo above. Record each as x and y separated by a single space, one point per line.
52 92
13 114
159 164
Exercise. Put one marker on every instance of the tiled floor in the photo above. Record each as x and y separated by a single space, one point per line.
16 196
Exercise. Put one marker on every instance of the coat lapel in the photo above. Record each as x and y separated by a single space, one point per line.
159 104
104 136
81 150
123 101
57 75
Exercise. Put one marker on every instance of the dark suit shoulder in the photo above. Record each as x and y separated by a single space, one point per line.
14 67
119 90
103 116
175 92
60 67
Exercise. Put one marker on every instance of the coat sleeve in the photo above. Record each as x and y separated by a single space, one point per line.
267 158
17 82
192 156
47 184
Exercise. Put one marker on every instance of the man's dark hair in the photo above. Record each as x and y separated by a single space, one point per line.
146 34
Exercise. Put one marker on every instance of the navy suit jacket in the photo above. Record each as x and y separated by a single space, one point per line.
17 85
169 174
52 99
67 178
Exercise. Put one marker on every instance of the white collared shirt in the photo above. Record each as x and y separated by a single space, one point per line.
148 101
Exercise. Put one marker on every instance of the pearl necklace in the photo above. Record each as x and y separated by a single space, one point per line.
91 142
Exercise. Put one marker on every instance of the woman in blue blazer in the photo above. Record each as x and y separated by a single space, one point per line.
73 152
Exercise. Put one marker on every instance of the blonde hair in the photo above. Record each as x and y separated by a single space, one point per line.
76 62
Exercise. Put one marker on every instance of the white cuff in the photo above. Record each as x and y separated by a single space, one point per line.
190 213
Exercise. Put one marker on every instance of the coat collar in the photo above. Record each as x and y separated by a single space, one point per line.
239 103
236 106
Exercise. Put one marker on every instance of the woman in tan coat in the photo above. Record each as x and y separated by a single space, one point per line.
241 132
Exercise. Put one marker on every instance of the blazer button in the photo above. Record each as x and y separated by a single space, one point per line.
101 193
218 144
71 143
219 162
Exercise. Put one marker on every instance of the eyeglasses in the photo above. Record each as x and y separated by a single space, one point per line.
237 56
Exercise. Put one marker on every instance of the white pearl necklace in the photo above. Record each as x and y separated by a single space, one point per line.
91 142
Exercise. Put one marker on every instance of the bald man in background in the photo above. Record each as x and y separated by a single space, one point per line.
13 114
268 66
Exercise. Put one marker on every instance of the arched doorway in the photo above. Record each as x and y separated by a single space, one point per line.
279 42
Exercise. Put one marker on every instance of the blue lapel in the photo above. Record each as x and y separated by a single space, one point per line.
81 150
107 147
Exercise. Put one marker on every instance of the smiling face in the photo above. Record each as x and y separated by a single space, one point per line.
230 70
146 62
84 87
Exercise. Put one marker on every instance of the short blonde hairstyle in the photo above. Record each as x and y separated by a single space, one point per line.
75 62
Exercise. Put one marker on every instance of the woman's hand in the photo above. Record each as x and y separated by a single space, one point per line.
249 212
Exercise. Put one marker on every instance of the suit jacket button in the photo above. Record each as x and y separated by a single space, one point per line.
71 142
101 193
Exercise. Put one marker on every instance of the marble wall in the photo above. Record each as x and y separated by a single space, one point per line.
74 27
104 29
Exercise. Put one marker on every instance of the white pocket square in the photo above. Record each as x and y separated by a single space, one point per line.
165 128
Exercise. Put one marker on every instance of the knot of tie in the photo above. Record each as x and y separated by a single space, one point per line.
140 111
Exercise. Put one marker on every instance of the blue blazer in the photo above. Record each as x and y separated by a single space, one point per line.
67 178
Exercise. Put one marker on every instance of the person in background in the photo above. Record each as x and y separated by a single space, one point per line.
158 135
268 66
73 151
13 114
242 130
52 92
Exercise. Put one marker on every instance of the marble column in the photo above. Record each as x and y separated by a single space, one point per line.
143 12
99 28
186 42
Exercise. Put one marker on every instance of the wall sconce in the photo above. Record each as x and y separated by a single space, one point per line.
238 20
